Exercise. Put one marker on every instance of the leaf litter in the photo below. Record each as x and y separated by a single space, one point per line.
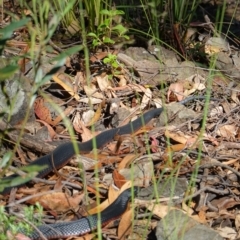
163 153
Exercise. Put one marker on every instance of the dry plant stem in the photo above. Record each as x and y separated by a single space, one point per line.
208 189
211 207
65 183
12 204
55 47
232 145
215 163
29 141
37 180
147 202
202 186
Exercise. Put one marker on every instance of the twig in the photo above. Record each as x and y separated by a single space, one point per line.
207 189
215 163
55 47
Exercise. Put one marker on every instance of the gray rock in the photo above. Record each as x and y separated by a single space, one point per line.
165 188
178 226
15 97
176 112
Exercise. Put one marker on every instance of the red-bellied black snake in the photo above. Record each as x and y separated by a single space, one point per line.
60 157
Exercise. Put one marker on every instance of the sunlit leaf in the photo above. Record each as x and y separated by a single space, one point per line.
6 33
105 12
92 35
8 72
108 40
120 29
5 159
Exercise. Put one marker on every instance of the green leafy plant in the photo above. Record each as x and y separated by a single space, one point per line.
105 33
111 60
14 224
6 34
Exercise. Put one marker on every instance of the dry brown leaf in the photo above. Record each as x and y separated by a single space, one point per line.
197 82
113 193
127 185
23 61
103 158
227 131
122 80
137 87
112 196
210 139
86 133
76 123
127 160
202 216
88 236
80 79
61 79
118 179
147 97
192 142
189 34
176 147
237 221
51 131
154 145
224 203
189 211
177 136
158 102
177 90
187 141
112 146
159 209
92 91
59 118
68 62
96 116
87 116
103 82
125 224
227 233
234 96
91 100
42 111
101 54
98 56
58 201
231 161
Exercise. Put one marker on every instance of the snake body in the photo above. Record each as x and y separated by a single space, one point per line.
63 153
60 157
87 224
